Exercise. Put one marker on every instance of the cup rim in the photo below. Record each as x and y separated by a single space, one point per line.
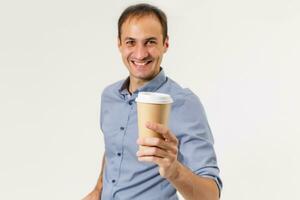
154 98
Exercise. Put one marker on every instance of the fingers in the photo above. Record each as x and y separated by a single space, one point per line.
152 151
157 160
165 132
162 151
158 142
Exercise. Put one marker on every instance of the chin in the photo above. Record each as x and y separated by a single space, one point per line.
145 73
143 76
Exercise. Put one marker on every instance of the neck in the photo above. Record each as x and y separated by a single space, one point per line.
134 84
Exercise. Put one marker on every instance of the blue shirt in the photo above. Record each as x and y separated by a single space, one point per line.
126 178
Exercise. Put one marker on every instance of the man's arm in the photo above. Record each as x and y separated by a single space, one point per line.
164 153
99 182
192 186
95 194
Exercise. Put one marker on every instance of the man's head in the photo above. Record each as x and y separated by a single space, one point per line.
142 40
142 10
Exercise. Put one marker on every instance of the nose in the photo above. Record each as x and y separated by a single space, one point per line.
141 52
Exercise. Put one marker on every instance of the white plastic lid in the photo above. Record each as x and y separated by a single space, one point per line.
154 97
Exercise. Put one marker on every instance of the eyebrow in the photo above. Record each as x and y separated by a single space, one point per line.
151 38
147 39
129 38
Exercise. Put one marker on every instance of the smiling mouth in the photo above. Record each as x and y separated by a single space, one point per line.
141 64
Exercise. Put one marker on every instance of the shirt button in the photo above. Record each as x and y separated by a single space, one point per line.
119 154
122 128
130 102
113 181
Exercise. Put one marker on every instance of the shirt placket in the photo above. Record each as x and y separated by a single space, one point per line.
125 116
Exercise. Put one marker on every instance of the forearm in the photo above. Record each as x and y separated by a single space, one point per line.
192 186
99 182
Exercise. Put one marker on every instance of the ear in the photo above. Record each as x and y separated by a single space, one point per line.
119 43
166 44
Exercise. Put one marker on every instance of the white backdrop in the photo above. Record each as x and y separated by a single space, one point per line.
240 57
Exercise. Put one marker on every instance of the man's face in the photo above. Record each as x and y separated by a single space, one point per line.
142 46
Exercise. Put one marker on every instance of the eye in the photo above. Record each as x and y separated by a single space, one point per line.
129 42
151 42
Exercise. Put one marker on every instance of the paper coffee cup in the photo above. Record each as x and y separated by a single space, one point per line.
152 107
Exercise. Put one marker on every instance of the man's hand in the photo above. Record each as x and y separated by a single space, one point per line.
94 195
163 151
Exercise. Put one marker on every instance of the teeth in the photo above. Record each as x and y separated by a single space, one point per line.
140 63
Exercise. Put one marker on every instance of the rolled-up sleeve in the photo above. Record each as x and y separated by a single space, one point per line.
196 149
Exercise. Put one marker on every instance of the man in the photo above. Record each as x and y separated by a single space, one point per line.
184 160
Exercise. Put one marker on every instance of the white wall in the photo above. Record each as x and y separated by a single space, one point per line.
240 57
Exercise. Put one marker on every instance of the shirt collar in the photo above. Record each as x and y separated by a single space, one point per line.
151 86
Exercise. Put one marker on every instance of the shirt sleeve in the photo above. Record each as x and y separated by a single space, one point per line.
196 149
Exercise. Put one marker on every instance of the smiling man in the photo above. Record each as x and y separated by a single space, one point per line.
142 46
184 159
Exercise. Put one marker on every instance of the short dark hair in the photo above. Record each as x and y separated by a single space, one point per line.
140 10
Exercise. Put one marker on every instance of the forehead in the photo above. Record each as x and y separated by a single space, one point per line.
141 27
